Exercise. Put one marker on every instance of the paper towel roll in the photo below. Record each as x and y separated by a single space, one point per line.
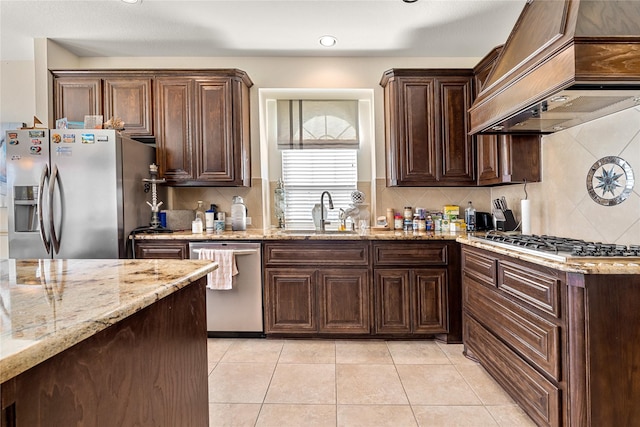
525 212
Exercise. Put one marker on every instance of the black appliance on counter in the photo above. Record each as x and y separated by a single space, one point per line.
484 221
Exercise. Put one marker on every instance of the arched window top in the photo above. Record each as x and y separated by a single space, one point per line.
317 124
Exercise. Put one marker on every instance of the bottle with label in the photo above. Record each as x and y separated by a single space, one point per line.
199 212
398 222
210 217
238 214
470 217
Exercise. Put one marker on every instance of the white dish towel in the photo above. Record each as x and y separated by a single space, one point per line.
222 277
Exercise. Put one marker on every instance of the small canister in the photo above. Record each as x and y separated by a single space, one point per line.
390 218
397 222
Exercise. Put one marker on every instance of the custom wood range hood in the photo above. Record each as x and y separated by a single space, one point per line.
566 62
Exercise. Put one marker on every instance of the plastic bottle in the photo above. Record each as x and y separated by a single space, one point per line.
238 214
398 222
199 212
210 216
470 217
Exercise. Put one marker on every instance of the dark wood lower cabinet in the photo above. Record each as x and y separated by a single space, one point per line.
411 301
289 300
161 249
343 301
317 288
385 289
565 346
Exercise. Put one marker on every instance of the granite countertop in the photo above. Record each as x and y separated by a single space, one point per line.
255 234
599 266
47 306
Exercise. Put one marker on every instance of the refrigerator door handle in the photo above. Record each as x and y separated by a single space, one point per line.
43 236
55 241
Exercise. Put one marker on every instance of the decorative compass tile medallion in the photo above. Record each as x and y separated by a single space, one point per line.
610 181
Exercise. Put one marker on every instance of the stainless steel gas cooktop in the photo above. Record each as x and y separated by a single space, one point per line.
561 248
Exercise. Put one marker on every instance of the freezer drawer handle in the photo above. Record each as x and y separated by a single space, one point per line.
52 185
43 236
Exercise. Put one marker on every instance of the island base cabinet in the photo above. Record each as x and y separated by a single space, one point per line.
147 370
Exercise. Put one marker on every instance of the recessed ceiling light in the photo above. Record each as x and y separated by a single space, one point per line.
131 1
328 41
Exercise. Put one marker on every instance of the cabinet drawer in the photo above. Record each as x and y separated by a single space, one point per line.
535 338
535 394
530 286
479 266
319 253
162 250
420 254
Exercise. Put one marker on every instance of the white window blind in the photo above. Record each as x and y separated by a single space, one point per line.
307 173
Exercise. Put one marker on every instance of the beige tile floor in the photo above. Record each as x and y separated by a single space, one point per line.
258 382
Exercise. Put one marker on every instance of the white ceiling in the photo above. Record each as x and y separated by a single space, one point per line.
427 28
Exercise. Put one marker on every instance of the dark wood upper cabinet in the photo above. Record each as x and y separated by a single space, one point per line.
76 97
504 159
110 93
130 100
426 127
202 128
199 119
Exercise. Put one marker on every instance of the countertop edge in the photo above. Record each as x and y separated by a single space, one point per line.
580 267
17 363
270 235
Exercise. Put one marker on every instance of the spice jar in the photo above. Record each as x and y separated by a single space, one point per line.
397 222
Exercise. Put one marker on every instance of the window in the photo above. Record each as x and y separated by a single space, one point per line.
315 140
318 124
307 173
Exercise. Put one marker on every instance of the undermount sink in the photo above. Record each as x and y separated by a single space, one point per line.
315 232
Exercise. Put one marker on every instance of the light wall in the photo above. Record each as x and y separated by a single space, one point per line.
560 204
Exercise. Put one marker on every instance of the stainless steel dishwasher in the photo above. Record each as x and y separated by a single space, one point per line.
237 311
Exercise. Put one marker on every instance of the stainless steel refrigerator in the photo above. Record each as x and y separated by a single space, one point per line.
74 193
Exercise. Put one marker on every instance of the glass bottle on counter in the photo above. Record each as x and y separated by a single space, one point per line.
199 212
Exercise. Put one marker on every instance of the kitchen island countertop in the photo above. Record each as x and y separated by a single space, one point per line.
48 306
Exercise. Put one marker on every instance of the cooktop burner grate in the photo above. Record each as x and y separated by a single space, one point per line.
564 248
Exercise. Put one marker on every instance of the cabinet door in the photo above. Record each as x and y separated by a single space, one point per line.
289 300
175 156
416 149
213 141
458 156
76 97
488 159
343 301
430 303
130 100
161 249
392 301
